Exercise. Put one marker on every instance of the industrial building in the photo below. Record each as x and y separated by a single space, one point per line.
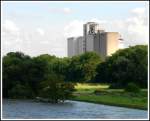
94 39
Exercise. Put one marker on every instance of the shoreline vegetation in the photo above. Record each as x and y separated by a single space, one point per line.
121 79
101 94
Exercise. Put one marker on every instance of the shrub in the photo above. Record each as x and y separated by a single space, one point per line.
131 87
55 89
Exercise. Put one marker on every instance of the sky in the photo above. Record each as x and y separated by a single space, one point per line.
43 27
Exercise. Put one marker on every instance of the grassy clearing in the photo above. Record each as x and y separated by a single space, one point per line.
117 97
90 86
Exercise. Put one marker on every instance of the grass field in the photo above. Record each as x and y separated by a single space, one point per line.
88 86
104 95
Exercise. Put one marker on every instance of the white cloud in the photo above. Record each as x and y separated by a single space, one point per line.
40 31
138 11
74 28
61 10
99 21
11 37
10 32
32 41
67 10
137 27
10 26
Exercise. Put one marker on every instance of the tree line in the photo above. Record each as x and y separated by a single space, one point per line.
53 77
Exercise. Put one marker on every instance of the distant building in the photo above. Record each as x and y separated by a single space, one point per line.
94 39
71 46
75 46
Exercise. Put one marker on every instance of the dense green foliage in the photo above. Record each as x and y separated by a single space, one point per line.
56 89
50 77
82 68
23 76
131 87
125 66
26 77
21 71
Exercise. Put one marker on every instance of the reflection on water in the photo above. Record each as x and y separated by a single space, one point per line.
25 109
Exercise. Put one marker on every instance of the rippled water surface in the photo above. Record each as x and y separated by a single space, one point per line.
25 109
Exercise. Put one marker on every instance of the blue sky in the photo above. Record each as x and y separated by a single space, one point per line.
80 10
52 22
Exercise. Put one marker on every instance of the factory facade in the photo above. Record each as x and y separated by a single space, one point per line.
94 39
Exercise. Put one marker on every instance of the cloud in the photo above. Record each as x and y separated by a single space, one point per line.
67 10
10 27
61 10
137 27
99 21
40 31
11 36
10 31
74 28
32 41
138 11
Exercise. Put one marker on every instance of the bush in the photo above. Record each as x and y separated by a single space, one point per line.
55 89
131 87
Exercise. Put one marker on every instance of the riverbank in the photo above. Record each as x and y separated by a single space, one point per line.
113 97
101 94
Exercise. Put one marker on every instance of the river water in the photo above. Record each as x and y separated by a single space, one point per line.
28 109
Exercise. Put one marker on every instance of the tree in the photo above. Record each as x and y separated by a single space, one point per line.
82 68
36 73
21 69
56 89
14 69
124 66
